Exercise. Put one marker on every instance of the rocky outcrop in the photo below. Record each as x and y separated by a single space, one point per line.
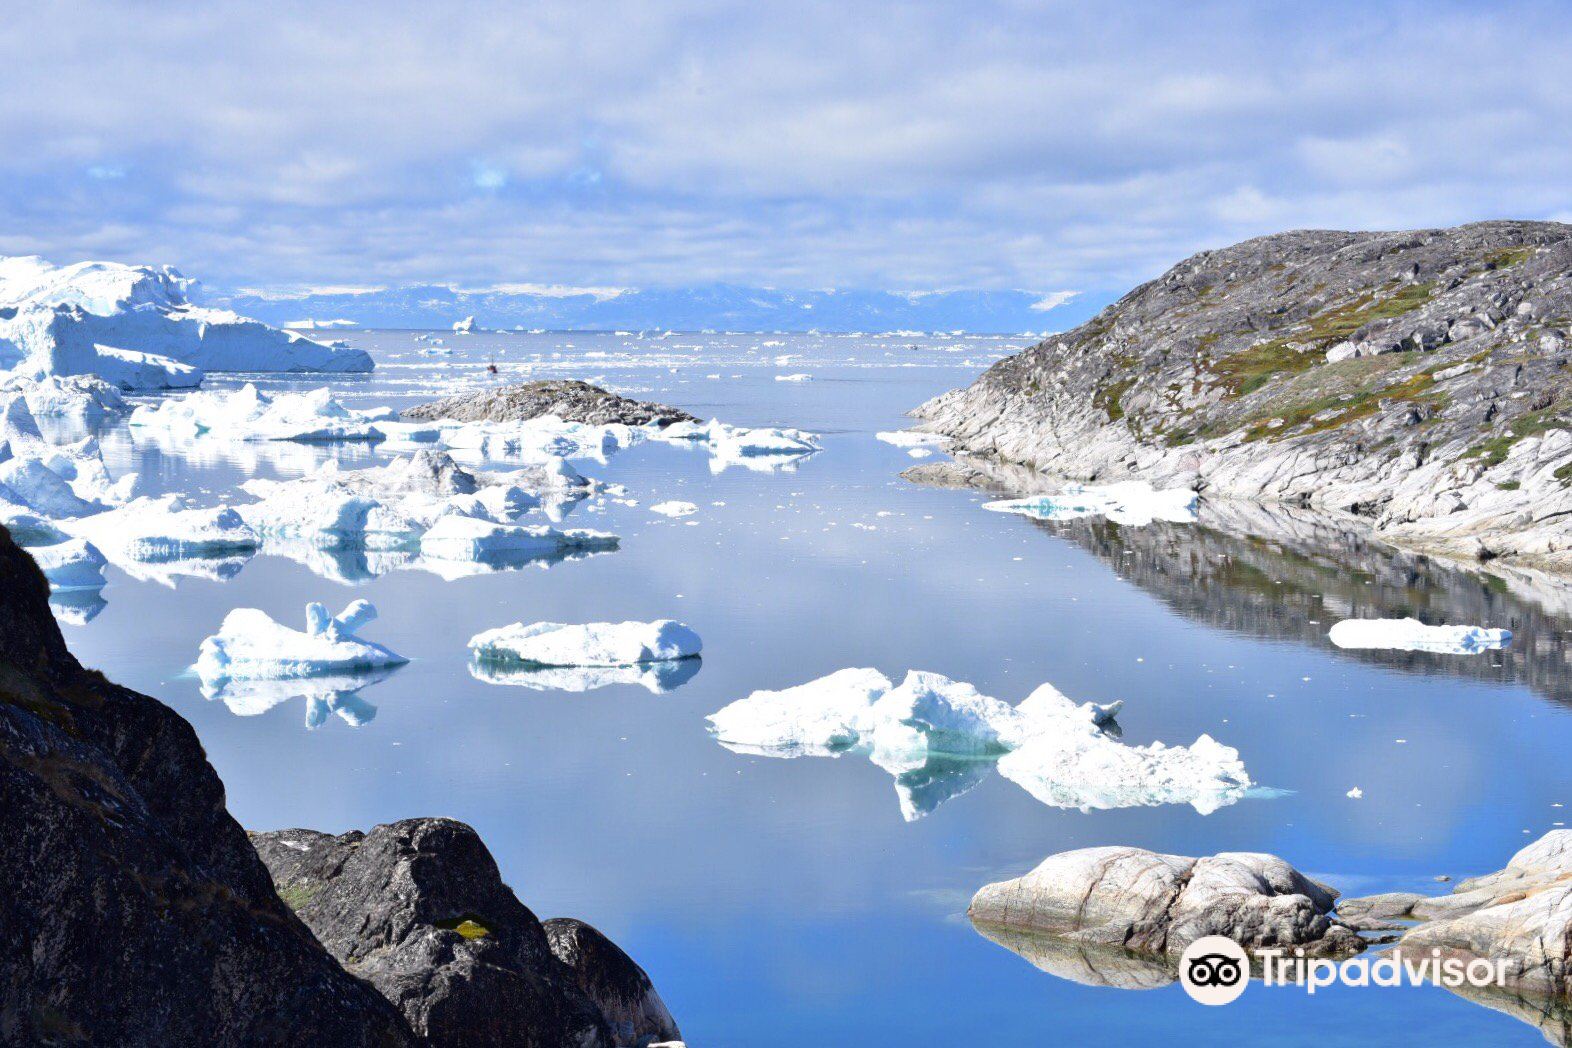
418 909
1418 380
567 399
619 988
134 910
1155 905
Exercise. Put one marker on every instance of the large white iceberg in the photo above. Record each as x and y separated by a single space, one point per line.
1413 635
135 327
250 414
70 565
456 537
938 737
251 646
164 528
1132 503
587 644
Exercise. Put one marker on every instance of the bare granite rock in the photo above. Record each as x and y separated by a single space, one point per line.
418 909
619 987
134 910
1156 905
568 399
1416 379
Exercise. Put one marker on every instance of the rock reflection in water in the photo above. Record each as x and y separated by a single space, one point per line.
1078 962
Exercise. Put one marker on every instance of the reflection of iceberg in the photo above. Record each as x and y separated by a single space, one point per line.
1087 964
1132 503
657 677
939 737
325 695
77 607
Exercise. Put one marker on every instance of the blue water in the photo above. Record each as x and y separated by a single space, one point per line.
786 902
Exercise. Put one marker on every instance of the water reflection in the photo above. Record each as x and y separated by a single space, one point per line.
656 677
333 694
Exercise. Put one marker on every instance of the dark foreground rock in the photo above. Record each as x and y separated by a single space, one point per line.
568 399
1417 379
1155 905
134 911
418 909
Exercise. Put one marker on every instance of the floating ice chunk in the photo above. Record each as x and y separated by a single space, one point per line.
798 377
164 528
458 537
250 414
587 644
81 397
465 326
251 646
29 483
656 677
74 564
1413 635
911 438
674 509
926 730
821 717
1132 503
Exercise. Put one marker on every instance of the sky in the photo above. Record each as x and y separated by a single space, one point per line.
906 146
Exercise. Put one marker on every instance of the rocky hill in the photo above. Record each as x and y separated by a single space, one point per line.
1418 380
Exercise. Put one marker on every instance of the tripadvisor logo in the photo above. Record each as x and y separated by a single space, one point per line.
1214 970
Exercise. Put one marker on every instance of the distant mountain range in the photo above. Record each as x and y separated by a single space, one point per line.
719 307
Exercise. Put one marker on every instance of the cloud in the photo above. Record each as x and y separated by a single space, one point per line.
998 144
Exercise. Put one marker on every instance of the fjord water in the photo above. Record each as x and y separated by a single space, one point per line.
787 902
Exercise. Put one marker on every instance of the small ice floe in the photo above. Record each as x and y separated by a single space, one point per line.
931 732
587 644
798 377
1132 503
1356 793
164 528
74 564
674 509
457 537
251 646
249 414
911 438
1413 635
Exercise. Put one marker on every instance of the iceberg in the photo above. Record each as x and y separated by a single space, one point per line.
938 737
674 509
249 645
1413 635
249 414
736 442
456 537
1132 503
136 328
70 565
81 397
587 644
911 438
164 528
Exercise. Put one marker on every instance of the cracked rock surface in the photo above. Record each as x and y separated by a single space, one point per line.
1416 379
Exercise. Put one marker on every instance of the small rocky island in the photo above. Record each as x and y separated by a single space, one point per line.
567 399
1416 380
137 911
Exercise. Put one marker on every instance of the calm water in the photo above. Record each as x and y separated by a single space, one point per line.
787 902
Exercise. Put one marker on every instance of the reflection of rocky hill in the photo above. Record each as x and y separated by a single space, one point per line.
1271 570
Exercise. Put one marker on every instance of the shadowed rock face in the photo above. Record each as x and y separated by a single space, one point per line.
134 911
418 909
568 399
1417 379
619 988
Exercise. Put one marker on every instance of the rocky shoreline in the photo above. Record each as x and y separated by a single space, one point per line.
568 399
1416 380
138 912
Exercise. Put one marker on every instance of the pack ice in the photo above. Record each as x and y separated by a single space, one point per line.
1413 635
251 646
939 737
136 328
587 644
1132 503
249 414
